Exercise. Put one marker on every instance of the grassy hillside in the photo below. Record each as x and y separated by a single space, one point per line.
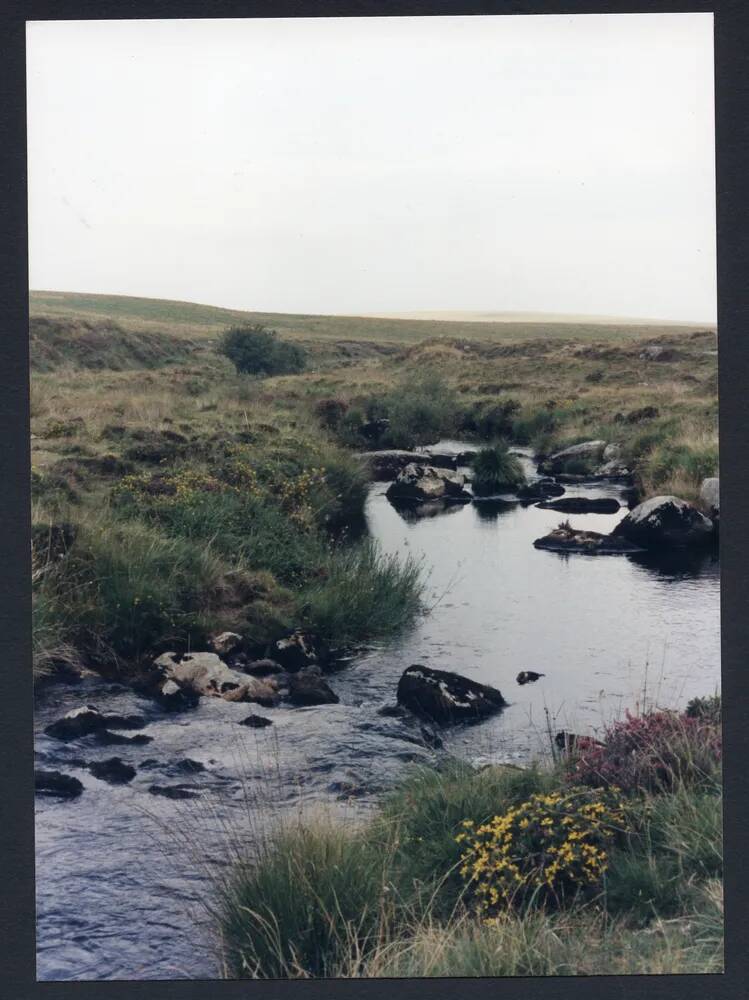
191 320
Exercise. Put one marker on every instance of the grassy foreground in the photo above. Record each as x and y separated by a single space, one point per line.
503 871
174 497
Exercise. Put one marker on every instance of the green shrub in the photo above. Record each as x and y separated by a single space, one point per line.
420 410
547 850
692 462
534 427
362 594
253 350
489 418
495 470
674 845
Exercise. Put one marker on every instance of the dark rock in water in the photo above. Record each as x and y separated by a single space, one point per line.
173 698
106 739
540 489
528 675
665 522
88 719
310 689
421 483
299 650
256 722
392 711
444 697
430 738
593 543
582 505
438 460
173 791
261 668
53 783
190 766
571 741
114 770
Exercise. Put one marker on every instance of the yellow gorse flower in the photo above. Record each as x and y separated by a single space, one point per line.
549 847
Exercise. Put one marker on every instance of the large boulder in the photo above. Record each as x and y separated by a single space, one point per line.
587 452
665 522
206 675
420 483
88 719
710 497
565 538
444 697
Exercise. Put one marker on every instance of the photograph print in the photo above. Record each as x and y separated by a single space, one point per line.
375 497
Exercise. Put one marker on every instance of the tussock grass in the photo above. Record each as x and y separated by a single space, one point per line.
495 470
363 594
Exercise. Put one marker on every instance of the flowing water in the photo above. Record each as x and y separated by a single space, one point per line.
119 873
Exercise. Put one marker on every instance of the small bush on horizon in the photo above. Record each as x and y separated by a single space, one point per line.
254 350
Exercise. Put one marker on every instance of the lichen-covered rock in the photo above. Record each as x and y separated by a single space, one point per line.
444 697
665 522
420 483
206 675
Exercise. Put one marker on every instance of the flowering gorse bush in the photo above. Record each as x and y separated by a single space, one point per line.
652 752
547 849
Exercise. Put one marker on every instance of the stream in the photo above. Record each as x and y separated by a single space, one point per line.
121 873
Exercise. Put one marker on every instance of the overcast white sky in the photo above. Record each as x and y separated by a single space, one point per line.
558 164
